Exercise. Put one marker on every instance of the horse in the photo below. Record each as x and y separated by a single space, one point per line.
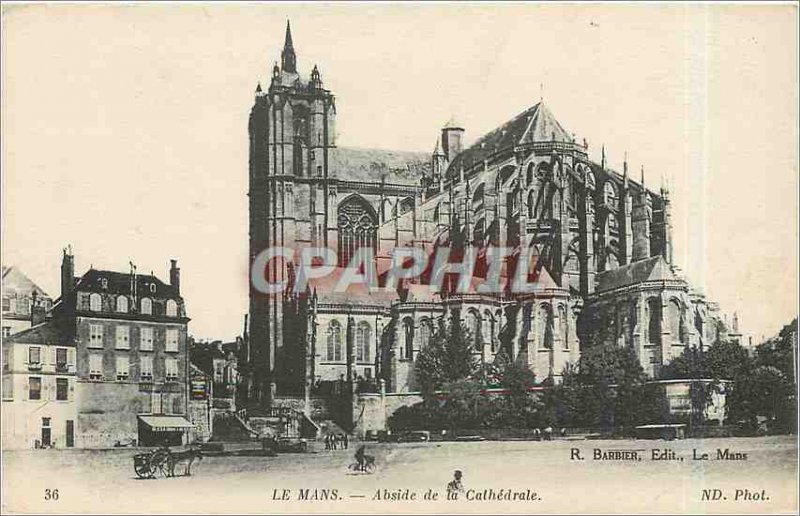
188 456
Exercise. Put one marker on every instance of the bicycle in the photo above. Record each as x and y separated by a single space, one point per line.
368 466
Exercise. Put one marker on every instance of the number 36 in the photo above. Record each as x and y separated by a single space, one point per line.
51 494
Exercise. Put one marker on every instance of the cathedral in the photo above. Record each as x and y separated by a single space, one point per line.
601 241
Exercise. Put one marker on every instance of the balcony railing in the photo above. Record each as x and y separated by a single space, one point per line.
35 366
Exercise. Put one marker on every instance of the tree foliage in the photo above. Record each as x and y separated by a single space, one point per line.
447 358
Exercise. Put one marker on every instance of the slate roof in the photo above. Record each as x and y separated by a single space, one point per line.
535 124
654 268
398 167
120 283
47 333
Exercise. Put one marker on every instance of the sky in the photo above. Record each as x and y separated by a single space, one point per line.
124 128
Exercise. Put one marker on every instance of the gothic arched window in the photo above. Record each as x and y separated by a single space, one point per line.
654 320
563 327
147 306
545 327
363 334
425 332
357 228
122 304
334 344
407 339
474 327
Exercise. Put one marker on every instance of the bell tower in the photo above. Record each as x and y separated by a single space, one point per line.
292 134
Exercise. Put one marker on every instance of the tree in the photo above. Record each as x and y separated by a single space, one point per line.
447 358
780 352
607 388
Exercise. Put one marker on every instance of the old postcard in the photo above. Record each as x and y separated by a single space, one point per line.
406 258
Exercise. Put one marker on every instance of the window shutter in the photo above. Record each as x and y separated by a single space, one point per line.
26 390
71 357
53 355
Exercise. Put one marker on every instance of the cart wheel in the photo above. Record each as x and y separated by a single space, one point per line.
142 470
159 464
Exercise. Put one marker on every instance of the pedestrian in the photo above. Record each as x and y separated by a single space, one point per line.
327 441
455 485
345 440
335 438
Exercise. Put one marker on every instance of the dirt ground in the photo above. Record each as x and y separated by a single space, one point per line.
544 476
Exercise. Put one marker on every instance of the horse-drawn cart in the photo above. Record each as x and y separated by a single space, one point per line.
162 461
152 463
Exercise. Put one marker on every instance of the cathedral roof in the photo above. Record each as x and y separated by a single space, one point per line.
535 124
397 167
654 268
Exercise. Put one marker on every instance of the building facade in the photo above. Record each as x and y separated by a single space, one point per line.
600 242
126 358
39 381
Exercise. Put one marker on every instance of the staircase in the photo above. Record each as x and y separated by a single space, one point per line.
230 426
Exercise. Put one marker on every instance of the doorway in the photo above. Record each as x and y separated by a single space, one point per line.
70 433
46 432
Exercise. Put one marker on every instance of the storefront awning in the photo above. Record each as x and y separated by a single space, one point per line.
166 423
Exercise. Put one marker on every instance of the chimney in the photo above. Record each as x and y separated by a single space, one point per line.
175 275
37 310
67 273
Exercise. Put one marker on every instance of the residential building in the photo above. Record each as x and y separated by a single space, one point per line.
19 294
125 335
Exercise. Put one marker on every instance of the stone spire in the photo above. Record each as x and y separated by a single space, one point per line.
288 58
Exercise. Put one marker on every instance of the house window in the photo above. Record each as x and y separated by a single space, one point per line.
146 368
172 308
334 348
34 355
95 302
123 367
123 337
171 369
6 358
62 389
61 359
122 304
95 367
363 333
146 339
6 304
95 335
35 388
6 331
172 340
147 306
